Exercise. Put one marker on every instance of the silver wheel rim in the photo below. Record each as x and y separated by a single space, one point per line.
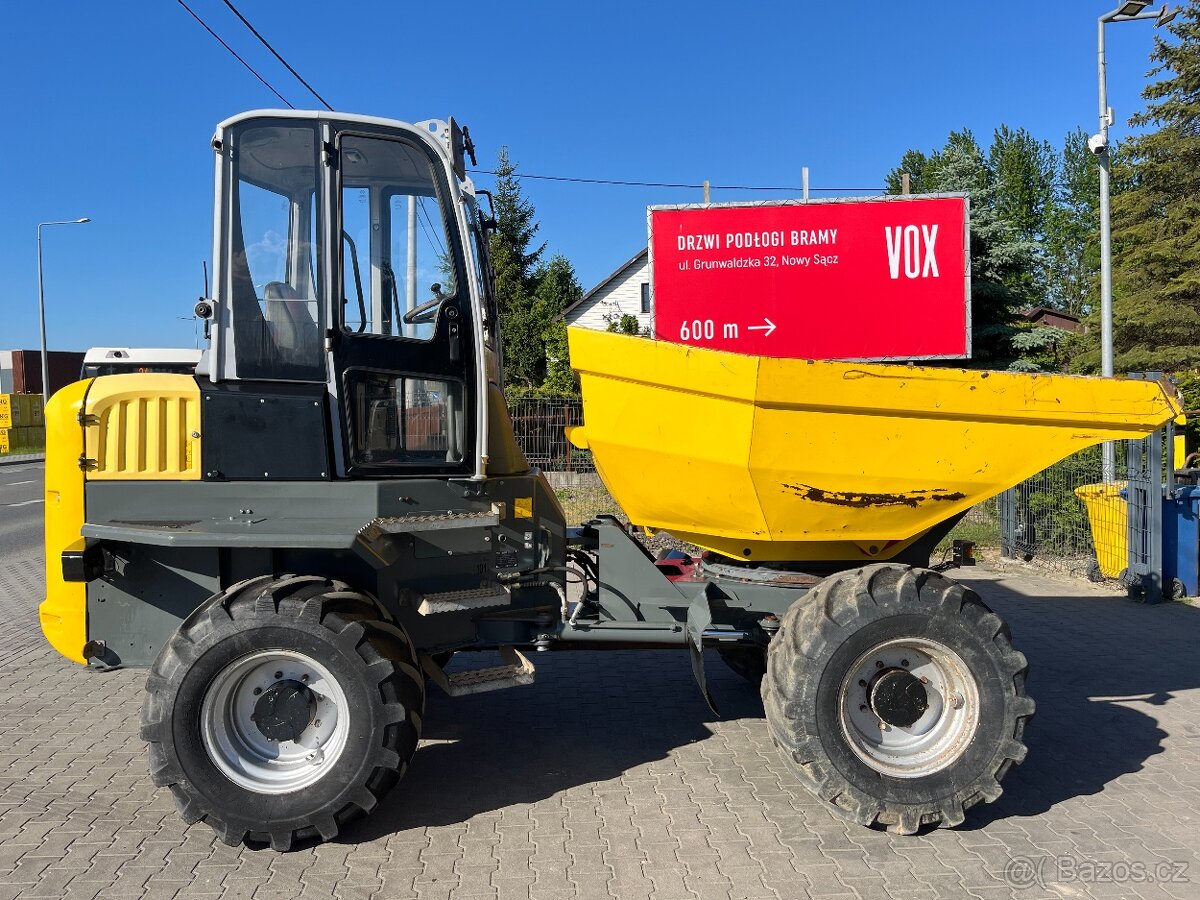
246 756
944 730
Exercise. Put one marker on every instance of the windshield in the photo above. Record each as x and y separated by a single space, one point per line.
396 264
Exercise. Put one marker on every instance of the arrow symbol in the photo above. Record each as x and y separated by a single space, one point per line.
768 328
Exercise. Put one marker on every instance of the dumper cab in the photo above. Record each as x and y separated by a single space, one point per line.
350 264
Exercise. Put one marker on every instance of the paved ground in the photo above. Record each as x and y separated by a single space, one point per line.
610 778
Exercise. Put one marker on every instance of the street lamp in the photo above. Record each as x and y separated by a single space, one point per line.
42 306
1129 11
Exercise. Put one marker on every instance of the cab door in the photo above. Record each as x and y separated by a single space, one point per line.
401 345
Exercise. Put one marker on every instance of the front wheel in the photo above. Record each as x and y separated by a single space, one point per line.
282 709
896 697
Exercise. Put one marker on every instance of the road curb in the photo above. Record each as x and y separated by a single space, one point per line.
22 458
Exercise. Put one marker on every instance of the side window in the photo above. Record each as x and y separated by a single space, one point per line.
273 287
397 268
266 217
645 297
399 419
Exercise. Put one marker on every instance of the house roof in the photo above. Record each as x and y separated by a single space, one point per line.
1035 311
629 263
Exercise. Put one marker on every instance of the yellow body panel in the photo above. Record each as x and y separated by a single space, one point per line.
63 613
143 427
782 459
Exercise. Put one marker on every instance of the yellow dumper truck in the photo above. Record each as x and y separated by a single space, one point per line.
296 537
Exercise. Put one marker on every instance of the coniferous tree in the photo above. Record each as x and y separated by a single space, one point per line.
1072 242
514 259
1022 172
531 295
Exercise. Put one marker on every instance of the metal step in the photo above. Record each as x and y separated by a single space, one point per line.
484 597
516 671
446 521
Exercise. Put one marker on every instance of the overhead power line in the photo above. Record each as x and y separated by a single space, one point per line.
249 67
674 184
562 178
275 53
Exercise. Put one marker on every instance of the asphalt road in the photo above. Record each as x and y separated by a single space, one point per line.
22 503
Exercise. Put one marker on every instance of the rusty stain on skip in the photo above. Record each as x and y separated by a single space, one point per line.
864 500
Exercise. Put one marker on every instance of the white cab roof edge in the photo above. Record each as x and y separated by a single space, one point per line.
319 115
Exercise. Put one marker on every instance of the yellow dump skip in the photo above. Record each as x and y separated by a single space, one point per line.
783 459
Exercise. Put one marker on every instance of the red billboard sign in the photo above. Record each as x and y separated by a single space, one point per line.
847 279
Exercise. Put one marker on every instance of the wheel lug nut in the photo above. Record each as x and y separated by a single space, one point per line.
924 680
304 677
863 708
862 683
257 691
879 664
904 662
278 674
317 723
956 701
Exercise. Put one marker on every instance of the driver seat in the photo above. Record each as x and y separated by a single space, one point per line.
291 325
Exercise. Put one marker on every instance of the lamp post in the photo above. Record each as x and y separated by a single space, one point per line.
42 305
1129 11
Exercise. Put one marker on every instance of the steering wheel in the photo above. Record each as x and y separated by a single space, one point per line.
426 312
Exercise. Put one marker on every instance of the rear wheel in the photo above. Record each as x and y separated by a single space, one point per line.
896 697
282 709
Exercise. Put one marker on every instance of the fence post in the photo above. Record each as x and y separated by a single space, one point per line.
1006 510
1144 496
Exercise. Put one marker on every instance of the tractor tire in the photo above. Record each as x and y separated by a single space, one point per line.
895 696
749 662
282 709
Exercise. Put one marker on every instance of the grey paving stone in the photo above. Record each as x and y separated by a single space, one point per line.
610 778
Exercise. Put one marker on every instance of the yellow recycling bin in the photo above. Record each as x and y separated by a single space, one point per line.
1108 514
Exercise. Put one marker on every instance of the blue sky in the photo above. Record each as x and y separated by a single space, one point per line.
110 107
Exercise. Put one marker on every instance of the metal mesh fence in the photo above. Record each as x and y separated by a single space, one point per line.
1066 518
539 422
981 524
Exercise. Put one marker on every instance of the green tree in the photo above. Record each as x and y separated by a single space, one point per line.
514 258
561 379
1071 247
913 164
1156 214
557 288
1022 172
1001 257
624 324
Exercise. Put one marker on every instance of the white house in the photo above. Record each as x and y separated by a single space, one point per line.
625 292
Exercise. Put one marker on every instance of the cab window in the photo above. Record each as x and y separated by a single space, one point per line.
397 267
